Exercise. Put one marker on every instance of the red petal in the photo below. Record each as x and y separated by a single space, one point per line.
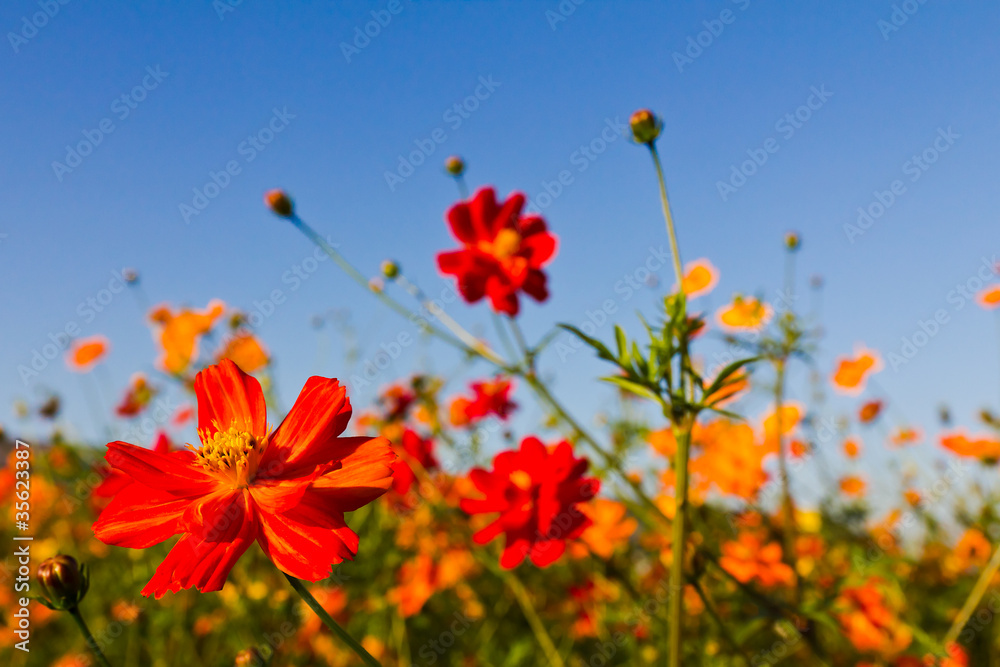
365 473
308 435
140 517
229 397
204 564
307 541
164 472
508 214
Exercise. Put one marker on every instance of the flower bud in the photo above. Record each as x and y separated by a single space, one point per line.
63 581
793 241
455 166
250 657
131 276
279 202
645 126
376 285
390 269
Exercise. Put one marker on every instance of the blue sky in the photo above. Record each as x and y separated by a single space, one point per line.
893 80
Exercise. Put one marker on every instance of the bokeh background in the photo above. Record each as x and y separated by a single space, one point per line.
564 78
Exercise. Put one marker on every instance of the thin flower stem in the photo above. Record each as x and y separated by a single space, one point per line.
710 607
977 593
530 614
91 642
329 622
682 436
461 341
468 339
671 232
504 336
519 337
463 189
787 505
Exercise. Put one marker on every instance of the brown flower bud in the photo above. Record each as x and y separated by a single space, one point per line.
279 202
455 166
64 582
645 126
793 241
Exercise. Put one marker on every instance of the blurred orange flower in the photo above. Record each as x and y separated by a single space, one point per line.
85 353
905 435
178 333
989 297
137 396
852 372
609 529
245 351
744 314
852 448
749 558
700 278
852 486
869 623
981 447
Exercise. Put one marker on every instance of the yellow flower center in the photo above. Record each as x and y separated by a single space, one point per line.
521 479
233 453
505 245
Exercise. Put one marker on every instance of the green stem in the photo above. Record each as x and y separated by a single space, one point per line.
329 622
665 202
682 436
977 593
787 506
91 642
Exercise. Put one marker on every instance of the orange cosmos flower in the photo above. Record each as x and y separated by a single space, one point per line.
744 314
852 372
972 549
287 489
852 448
904 436
85 353
869 623
789 416
870 411
609 528
491 397
853 486
912 497
178 333
246 351
748 558
700 278
989 298
980 447
420 578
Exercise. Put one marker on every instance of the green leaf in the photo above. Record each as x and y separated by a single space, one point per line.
726 372
632 387
602 351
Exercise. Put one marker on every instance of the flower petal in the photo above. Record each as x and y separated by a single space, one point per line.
365 473
165 472
205 564
229 397
308 435
140 517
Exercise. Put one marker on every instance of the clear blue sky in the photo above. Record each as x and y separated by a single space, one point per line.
346 115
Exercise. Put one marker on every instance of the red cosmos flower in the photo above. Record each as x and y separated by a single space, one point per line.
287 489
503 252
536 491
491 398
421 451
